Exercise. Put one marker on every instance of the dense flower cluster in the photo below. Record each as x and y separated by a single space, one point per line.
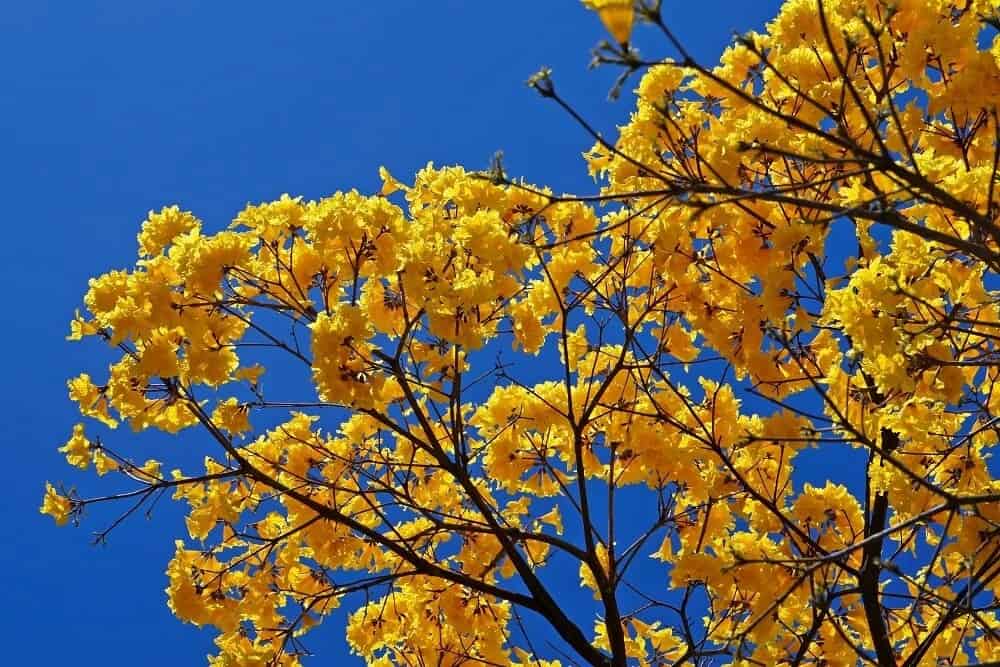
708 276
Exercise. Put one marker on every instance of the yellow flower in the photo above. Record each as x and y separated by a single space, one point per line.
553 518
232 417
679 343
160 229
150 472
80 327
389 184
91 400
616 15
103 463
77 448
249 373
57 506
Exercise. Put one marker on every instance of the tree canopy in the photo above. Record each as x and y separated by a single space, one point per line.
791 256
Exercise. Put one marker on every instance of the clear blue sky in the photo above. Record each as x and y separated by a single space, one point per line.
110 109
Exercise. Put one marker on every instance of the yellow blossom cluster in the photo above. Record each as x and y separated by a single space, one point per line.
792 258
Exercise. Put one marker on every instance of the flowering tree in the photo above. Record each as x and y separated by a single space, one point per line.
790 257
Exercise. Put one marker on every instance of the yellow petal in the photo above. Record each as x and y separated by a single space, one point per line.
553 518
616 15
389 184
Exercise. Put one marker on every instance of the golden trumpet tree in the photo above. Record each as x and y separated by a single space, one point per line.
792 257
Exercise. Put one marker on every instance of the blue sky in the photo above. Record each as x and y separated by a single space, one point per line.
110 109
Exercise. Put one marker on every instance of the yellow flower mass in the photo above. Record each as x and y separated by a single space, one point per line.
760 362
